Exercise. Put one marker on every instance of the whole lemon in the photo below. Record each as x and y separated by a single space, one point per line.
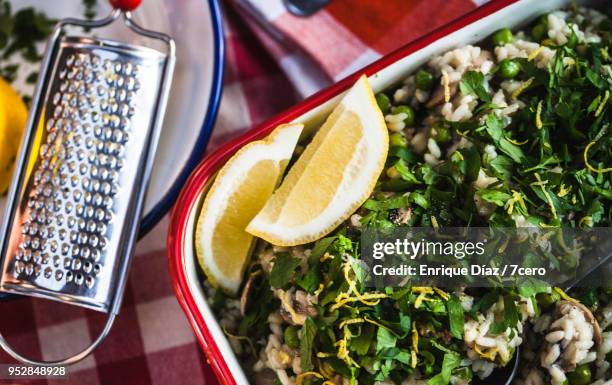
13 117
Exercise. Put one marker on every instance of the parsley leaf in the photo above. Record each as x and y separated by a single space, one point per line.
307 335
473 83
385 339
283 269
450 362
455 316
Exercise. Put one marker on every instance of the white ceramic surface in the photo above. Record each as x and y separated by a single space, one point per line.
189 23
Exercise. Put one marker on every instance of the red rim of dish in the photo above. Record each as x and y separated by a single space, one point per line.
197 182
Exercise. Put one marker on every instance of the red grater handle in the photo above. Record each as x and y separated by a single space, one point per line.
125 5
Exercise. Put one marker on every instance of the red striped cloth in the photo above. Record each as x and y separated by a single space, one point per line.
151 342
346 35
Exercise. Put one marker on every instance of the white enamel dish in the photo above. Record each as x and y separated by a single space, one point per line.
389 70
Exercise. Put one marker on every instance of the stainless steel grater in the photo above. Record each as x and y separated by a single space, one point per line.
79 187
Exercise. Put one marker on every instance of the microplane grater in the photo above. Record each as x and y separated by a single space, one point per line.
77 195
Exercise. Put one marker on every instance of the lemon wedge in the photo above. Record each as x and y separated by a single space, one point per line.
13 117
332 178
238 193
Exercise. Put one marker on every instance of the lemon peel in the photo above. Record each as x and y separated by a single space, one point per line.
538 118
516 93
585 155
300 377
535 53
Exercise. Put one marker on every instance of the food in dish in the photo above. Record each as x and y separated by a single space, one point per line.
512 133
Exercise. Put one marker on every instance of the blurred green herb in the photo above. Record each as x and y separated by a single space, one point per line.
22 33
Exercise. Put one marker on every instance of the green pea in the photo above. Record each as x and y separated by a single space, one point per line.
409 120
383 102
545 300
580 376
502 37
508 69
291 337
539 31
424 80
441 133
397 140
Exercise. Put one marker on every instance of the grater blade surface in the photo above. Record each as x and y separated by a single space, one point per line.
66 235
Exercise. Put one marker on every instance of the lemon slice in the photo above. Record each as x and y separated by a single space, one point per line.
238 193
332 178
13 117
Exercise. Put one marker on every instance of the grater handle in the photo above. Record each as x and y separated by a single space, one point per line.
67 361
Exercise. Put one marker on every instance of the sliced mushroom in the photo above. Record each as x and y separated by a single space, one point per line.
437 97
244 297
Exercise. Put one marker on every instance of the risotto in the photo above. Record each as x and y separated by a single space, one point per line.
511 133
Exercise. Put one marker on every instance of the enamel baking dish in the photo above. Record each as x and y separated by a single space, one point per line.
391 69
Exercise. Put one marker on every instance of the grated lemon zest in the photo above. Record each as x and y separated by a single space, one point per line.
517 197
364 299
535 53
442 293
516 93
351 321
546 225
326 369
548 198
328 382
446 82
488 354
415 338
563 191
434 222
295 317
325 257
422 289
517 142
538 118
324 355
373 322
586 160
343 353
586 220
564 295
300 377
603 103
419 301
319 290
370 299
413 357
